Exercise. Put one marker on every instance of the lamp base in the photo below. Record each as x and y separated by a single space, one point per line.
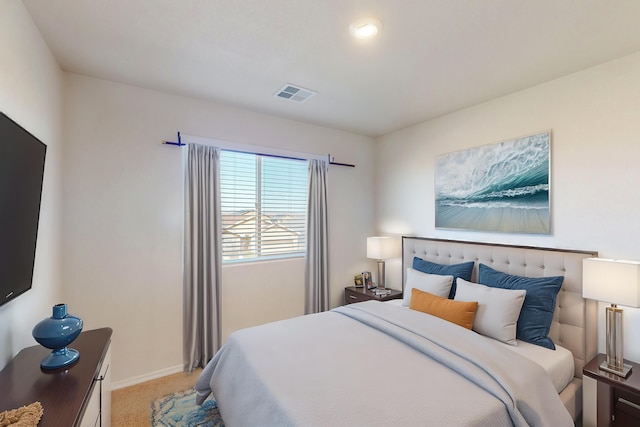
614 361
624 373
381 275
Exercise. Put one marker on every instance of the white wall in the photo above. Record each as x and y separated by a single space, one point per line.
120 250
595 183
123 212
30 93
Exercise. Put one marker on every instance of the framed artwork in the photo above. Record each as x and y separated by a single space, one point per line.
357 281
367 280
502 187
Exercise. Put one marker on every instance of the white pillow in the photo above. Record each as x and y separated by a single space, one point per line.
433 283
498 309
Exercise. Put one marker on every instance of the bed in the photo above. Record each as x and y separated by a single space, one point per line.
375 363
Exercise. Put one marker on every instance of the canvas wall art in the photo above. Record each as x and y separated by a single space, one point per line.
502 187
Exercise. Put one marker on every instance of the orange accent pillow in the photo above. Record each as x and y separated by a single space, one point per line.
458 312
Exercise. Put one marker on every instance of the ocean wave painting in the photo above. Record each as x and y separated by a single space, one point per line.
501 187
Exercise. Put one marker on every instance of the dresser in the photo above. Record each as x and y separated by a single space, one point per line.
78 395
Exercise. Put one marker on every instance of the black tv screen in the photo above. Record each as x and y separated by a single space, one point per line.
22 157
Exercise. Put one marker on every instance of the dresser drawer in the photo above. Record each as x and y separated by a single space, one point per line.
98 408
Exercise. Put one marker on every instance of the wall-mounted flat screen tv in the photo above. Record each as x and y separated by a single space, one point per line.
22 157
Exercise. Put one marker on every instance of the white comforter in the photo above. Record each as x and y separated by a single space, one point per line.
370 364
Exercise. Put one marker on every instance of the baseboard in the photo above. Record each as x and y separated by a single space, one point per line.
115 385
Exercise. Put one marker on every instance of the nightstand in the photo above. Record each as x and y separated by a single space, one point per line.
618 399
353 294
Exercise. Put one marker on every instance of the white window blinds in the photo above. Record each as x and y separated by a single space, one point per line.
264 206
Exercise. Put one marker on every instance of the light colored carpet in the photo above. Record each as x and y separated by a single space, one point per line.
131 406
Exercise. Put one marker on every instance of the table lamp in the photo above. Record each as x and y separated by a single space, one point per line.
381 248
615 282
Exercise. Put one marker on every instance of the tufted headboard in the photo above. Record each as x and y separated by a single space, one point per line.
574 321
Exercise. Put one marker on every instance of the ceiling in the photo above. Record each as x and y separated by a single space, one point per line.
432 57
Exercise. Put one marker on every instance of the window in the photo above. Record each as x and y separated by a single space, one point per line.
264 206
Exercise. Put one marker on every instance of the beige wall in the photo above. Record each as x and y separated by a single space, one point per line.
594 116
30 93
123 212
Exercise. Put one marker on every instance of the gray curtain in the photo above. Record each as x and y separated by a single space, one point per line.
317 260
202 258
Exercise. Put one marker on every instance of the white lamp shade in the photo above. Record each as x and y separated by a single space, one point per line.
612 281
381 247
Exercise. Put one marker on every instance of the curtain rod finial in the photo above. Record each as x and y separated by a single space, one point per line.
333 162
179 143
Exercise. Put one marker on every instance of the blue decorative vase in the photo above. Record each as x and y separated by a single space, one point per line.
56 333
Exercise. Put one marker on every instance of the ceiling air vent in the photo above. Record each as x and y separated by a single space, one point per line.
294 93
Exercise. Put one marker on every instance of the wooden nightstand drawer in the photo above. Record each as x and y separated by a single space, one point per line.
353 295
626 408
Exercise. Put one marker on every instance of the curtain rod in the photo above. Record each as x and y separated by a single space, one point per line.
331 160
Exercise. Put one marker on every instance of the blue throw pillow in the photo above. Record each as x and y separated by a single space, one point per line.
463 270
539 302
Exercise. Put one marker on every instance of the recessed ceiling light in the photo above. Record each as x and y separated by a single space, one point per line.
365 28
